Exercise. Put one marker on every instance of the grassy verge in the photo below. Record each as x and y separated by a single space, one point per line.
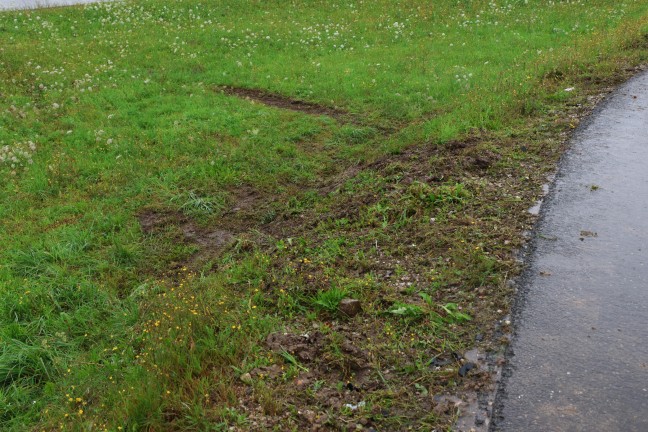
191 189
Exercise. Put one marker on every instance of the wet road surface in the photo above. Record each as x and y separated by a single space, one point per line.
33 4
580 353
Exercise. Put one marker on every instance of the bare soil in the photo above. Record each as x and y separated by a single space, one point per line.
283 102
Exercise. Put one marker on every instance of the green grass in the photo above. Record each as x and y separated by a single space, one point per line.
156 230
329 300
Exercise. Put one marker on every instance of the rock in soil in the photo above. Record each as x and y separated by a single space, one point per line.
246 378
350 307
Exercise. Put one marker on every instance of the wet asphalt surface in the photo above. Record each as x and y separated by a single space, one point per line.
33 4
580 350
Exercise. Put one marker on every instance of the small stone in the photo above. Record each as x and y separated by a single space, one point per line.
246 378
350 307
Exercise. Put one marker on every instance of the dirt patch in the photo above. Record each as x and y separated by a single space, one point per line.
247 199
311 347
215 239
180 226
283 102
415 163
321 372
152 221
304 347
330 396
245 223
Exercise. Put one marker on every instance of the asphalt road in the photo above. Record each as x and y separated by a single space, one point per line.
580 349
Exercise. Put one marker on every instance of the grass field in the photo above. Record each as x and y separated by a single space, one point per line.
189 189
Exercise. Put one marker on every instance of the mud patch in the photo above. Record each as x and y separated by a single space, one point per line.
154 222
246 199
283 102
216 239
412 163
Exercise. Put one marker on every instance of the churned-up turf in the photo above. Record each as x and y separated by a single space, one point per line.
192 192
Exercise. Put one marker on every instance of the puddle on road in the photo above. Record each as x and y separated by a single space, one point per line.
37 4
